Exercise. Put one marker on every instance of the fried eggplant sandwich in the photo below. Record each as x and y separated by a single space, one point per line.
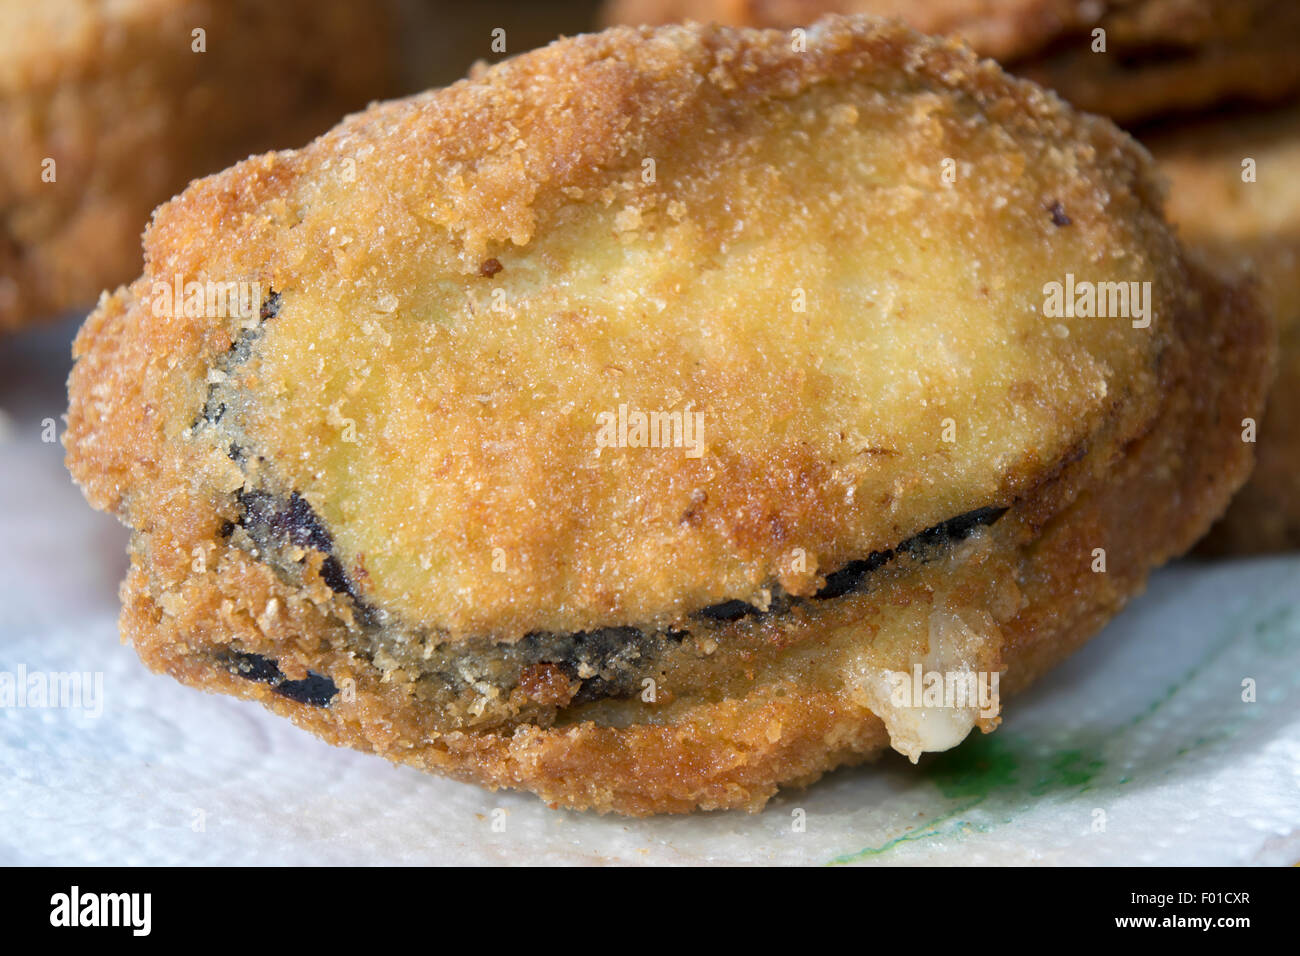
626 422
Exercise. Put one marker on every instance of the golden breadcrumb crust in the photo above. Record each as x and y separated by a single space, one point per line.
116 96
1251 223
1136 455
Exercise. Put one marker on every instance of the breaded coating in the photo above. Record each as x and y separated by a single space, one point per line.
1160 56
1235 193
402 496
107 109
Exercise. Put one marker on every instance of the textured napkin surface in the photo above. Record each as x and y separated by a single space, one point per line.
1140 749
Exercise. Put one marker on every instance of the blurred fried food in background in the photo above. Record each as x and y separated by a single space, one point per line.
1159 55
1253 223
106 110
